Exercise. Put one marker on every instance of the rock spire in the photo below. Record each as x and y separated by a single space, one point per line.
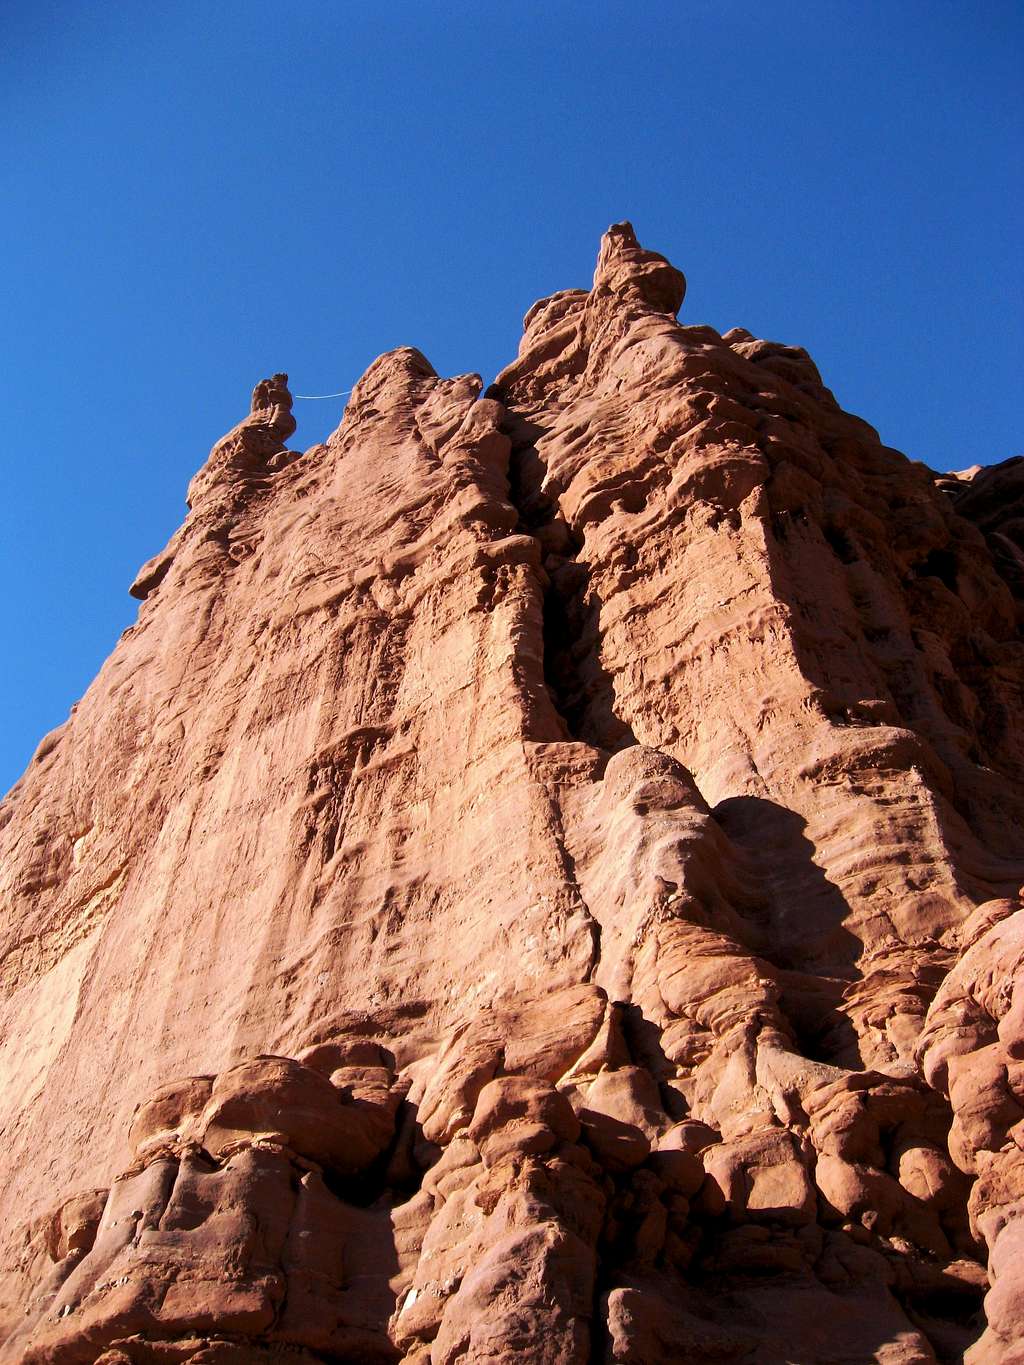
538 882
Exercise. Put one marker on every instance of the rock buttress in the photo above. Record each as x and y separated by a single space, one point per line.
538 882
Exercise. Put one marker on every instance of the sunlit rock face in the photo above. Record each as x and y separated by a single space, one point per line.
538 883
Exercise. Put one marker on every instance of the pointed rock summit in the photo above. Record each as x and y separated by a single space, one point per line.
625 269
539 882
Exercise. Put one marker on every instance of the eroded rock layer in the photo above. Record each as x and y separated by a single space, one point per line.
539 882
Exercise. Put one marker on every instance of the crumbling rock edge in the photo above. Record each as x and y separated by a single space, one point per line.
550 891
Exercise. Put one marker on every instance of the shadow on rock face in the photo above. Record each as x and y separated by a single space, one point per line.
804 935
808 912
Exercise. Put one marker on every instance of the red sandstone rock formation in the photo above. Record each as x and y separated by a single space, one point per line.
538 883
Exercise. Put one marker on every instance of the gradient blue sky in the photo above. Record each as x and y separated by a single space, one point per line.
198 194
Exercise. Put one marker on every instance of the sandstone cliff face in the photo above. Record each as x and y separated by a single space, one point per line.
538 882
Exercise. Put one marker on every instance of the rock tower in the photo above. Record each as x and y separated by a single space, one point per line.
538 883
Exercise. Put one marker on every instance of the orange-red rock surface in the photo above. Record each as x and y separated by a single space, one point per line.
538 883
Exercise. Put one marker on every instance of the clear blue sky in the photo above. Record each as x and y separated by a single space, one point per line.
198 194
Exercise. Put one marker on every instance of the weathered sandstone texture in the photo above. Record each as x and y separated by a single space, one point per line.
538 883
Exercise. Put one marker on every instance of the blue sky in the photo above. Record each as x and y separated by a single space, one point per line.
196 195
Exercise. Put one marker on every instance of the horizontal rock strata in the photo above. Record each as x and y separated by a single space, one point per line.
539 882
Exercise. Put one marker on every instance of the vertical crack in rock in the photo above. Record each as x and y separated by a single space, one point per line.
581 690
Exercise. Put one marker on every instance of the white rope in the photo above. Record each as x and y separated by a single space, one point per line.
308 396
